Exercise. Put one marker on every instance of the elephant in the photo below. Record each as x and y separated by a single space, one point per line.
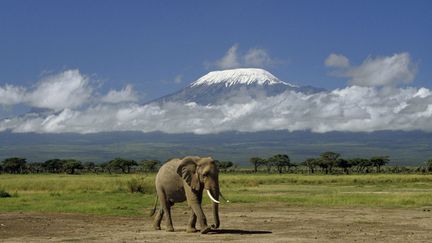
180 180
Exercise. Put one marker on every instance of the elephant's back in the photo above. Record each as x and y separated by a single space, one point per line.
170 167
168 173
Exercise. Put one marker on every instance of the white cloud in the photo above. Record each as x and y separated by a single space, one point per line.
254 57
127 94
382 71
66 90
337 60
11 95
69 89
230 60
379 71
353 108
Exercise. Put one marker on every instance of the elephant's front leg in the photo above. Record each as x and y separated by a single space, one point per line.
192 222
196 207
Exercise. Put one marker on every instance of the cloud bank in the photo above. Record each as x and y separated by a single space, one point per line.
371 102
353 108
66 90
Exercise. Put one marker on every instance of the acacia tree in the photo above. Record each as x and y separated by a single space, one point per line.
69 166
330 159
257 162
53 165
379 161
35 167
361 164
281 161
123 164
428 165
224 165
150 165
311 163
268 164
89 166
14 165
324 166
344 164
107 167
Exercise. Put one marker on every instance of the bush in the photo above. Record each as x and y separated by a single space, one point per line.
139 184
4 193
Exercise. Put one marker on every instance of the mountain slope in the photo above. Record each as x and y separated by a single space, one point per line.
404 148
218 86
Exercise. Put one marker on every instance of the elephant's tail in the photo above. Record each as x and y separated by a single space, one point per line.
153 211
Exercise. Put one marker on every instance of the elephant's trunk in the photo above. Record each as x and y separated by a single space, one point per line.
215 193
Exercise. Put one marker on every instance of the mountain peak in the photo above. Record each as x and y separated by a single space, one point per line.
218 86
239 76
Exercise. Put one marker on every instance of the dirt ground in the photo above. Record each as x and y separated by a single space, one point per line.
239 223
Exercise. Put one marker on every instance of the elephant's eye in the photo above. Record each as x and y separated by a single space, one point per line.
205 174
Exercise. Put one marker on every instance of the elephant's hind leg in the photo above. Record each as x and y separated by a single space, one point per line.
166 207
158 219
169 224
192 222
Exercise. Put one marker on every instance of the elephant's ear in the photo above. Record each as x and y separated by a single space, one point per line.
187 170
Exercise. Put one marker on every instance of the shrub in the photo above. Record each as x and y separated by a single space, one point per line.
4 193
139 184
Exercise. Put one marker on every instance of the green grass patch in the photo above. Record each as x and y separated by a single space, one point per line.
140 184
134 194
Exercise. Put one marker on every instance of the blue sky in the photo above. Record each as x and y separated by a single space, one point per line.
150 43
92 64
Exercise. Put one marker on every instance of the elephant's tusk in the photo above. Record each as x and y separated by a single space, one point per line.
211 197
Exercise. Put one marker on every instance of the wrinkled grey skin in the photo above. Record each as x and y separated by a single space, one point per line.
180 180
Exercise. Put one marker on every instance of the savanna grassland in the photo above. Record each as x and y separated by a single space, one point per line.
124 195
285 201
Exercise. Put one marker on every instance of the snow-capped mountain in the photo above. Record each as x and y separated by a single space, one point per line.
217 86
246 76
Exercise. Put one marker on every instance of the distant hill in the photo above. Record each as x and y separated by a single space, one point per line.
404 148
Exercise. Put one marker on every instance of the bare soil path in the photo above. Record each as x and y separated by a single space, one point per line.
239 223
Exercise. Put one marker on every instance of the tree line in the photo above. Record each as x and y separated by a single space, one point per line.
16 165
325 163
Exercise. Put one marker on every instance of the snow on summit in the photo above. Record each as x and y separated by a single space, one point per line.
239 76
